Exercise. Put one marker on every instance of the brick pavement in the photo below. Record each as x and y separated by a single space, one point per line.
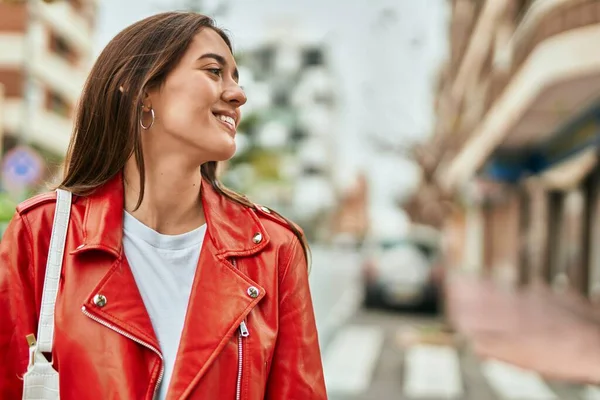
529 328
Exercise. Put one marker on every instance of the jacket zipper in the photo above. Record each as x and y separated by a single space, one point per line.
244 333
121 332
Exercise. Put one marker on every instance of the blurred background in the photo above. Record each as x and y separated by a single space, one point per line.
441 156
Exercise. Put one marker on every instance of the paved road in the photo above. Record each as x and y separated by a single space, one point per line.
376 355
335 288
399 368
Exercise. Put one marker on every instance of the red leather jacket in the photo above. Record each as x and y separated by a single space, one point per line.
110 351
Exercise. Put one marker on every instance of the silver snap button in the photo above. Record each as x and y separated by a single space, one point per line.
265 209
257 238
100 300
253 292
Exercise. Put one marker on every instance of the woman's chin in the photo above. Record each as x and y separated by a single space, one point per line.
218 150
224 153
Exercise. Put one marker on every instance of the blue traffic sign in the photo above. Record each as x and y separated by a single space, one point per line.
22 166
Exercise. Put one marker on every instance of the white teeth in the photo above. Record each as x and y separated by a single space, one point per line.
228 119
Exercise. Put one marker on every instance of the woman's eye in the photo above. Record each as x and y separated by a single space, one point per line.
216 71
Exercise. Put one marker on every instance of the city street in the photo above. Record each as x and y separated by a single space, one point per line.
376 354
334 279
458 141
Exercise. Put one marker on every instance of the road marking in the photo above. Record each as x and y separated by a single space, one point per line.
432 372
345 306
512 383
350 359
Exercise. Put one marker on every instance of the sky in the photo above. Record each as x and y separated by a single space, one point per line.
386 50
385 55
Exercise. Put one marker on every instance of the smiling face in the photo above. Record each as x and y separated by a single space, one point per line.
197 107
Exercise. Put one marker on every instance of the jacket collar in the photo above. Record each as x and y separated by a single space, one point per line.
219 297
233 228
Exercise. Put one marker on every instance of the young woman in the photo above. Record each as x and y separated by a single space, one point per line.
172 286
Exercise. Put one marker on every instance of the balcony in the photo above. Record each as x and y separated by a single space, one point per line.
480 42
465 16
59 75
553 75
47 130
543 20
11 50
547 18
70 25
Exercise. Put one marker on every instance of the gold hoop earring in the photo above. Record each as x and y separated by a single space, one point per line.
142 120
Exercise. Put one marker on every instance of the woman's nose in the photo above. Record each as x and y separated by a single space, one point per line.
235 95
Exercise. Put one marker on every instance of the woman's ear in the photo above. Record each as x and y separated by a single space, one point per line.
146 102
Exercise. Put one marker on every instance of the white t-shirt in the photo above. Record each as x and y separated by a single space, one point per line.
163 267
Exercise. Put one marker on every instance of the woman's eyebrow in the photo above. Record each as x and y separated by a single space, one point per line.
221 60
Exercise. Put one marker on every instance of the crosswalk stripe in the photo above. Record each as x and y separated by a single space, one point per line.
350 359
513 383
432 372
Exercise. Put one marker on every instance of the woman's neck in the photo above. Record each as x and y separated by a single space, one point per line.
171 203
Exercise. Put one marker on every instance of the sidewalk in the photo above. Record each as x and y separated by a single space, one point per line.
532 328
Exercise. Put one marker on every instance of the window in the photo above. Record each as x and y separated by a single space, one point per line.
58 105
62 48
313 56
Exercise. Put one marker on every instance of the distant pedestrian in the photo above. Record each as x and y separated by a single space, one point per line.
170 285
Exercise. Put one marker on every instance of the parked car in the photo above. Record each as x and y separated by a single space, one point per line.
404 271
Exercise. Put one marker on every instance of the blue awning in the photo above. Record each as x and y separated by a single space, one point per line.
512 165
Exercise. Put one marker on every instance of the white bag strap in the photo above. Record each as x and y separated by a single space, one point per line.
45 336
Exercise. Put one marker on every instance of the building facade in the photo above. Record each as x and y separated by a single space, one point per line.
516 148
45 54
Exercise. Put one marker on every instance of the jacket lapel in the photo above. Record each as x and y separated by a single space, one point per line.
103 231
123 308
219 301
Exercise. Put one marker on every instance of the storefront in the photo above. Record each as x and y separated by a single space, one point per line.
544 224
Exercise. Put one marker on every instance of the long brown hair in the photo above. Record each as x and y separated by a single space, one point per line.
107 132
